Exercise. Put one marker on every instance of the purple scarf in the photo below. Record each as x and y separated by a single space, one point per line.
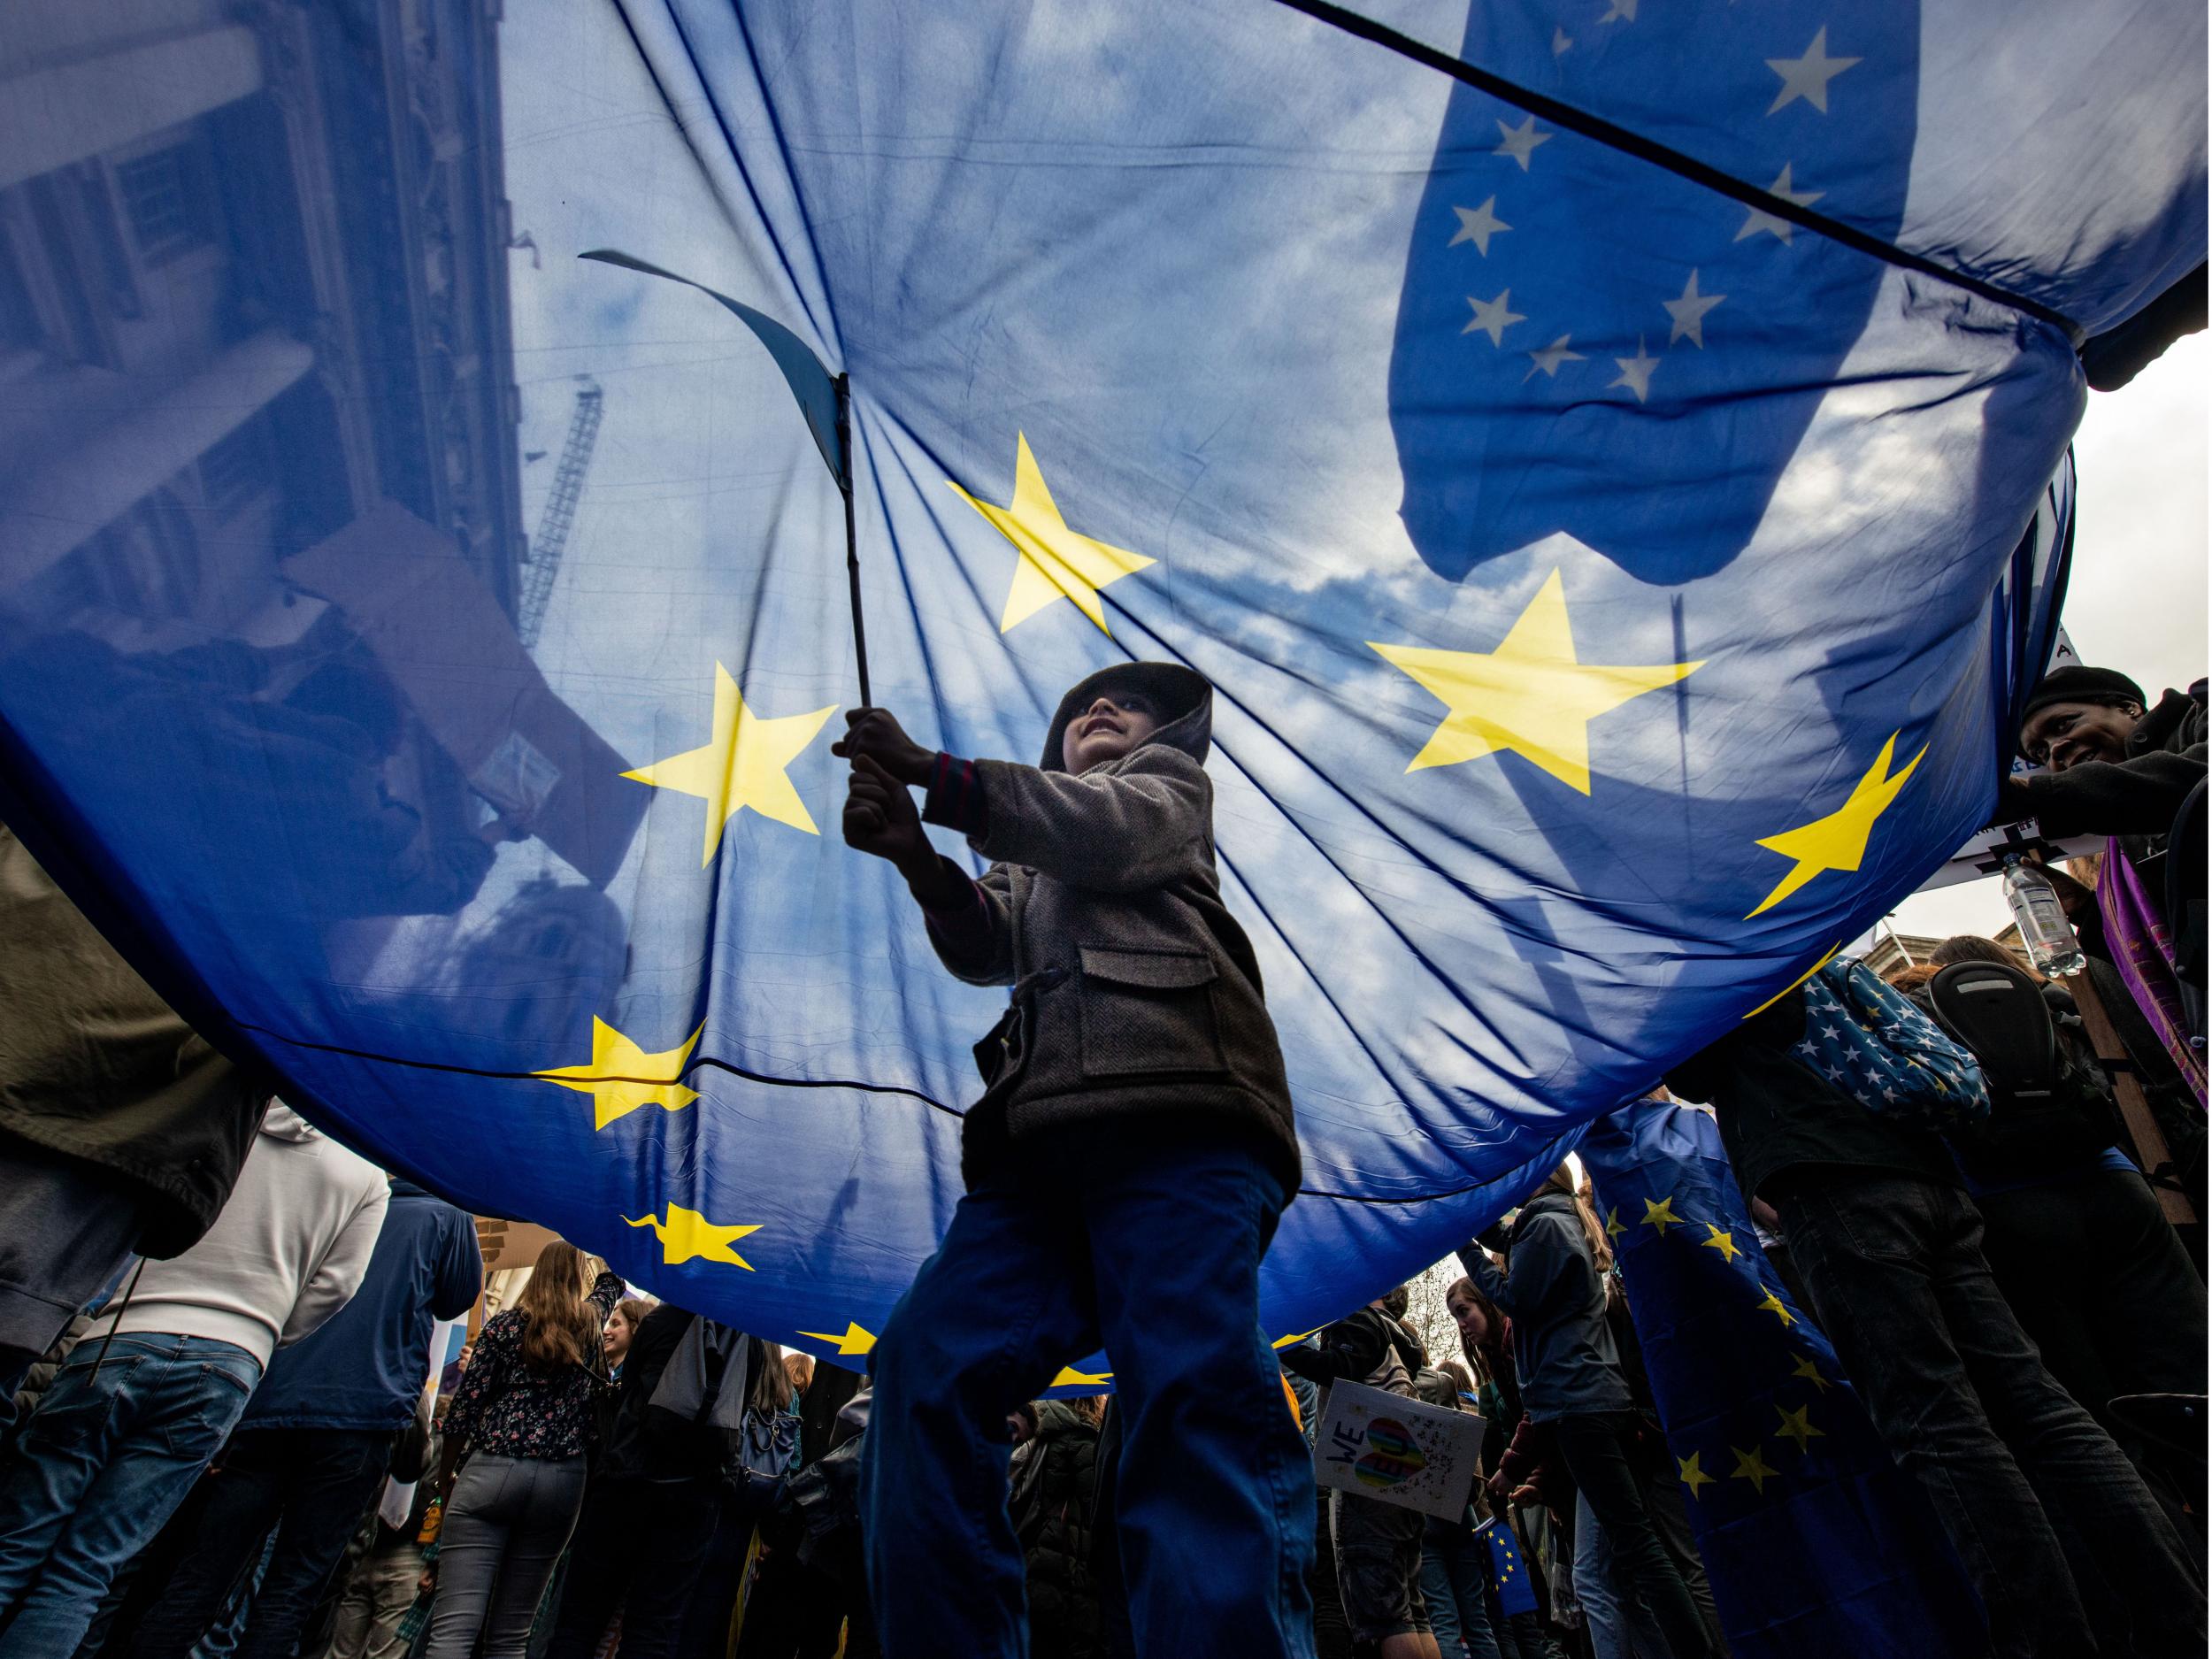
2143 951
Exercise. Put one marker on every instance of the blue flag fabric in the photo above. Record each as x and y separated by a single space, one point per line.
423 644
1815 1544
1516 1590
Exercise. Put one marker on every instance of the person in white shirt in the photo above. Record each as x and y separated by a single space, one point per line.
153 1390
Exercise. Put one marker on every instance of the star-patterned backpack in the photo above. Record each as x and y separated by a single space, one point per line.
1869 1041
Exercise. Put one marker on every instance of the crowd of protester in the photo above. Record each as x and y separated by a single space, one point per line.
224 1433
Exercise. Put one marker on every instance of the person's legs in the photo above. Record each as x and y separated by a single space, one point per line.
393 1575
1215 1480
1868 1249
610 1540
221 1527
1382 1599
64 1445
548 1496
1466 1562
1331 1635
989 1320
156 1431
1601 1612
1436 1591
1598 1449
472 1540
334 1477
2085 1482
674 1533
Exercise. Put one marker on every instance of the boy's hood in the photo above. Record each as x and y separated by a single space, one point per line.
1184 696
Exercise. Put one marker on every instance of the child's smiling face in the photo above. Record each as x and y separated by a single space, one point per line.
1107 730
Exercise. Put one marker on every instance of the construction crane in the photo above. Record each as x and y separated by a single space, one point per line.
542 564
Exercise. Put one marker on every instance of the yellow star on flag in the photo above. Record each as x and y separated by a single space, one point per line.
1531 695
1773 1305
1660 1214
855 1341
622 1077
1722 1241
1056 562
1070 1378
741 764
1810 1372
1614 1225
1839 841
686 1233
1752 1467
1693 1476
1797 1425
1292 1341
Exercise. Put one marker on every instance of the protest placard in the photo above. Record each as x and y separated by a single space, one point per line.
1381 1445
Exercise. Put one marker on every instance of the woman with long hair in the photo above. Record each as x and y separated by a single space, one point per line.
1572 1383
523 1417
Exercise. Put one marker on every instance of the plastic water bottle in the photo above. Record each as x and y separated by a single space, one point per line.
2044 929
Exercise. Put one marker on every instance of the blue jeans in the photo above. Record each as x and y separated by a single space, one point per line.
98 1468
1455 1567
1150 1244
1602 1613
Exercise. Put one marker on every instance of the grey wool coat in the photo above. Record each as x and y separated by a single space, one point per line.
1135 993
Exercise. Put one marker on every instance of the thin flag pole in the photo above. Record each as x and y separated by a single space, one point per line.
852 539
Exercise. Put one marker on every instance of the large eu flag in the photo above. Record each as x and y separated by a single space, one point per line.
1597 505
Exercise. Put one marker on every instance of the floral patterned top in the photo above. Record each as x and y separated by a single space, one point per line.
505 1407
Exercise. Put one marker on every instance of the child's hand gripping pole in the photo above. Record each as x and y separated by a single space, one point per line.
880 818
880 815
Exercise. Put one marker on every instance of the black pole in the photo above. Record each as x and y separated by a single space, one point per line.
852 541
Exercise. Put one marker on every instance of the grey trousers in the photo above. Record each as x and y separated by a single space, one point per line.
505 1529
377 1597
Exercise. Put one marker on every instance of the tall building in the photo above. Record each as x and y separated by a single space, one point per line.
258 435
252 283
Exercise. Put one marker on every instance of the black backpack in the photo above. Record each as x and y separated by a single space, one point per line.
2050 1104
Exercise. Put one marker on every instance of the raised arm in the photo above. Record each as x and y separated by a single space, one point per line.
2137 796
1350 1348
1113 832
1483 1273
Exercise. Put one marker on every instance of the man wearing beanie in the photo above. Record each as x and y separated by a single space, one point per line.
2114 765
1125 1167
2110 767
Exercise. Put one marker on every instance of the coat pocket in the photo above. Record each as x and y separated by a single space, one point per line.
1146 1012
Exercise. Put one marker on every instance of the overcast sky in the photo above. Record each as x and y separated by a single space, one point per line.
2136 599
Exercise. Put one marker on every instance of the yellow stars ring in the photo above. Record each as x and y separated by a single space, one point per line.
1810 1372
1056 563
1773 1305
1722 1241
622 1077
688 1235
1531 695
741 766
1070 1378
1614 1227
1661 1214
1839 841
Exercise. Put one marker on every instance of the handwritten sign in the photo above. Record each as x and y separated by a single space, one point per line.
1384 1445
